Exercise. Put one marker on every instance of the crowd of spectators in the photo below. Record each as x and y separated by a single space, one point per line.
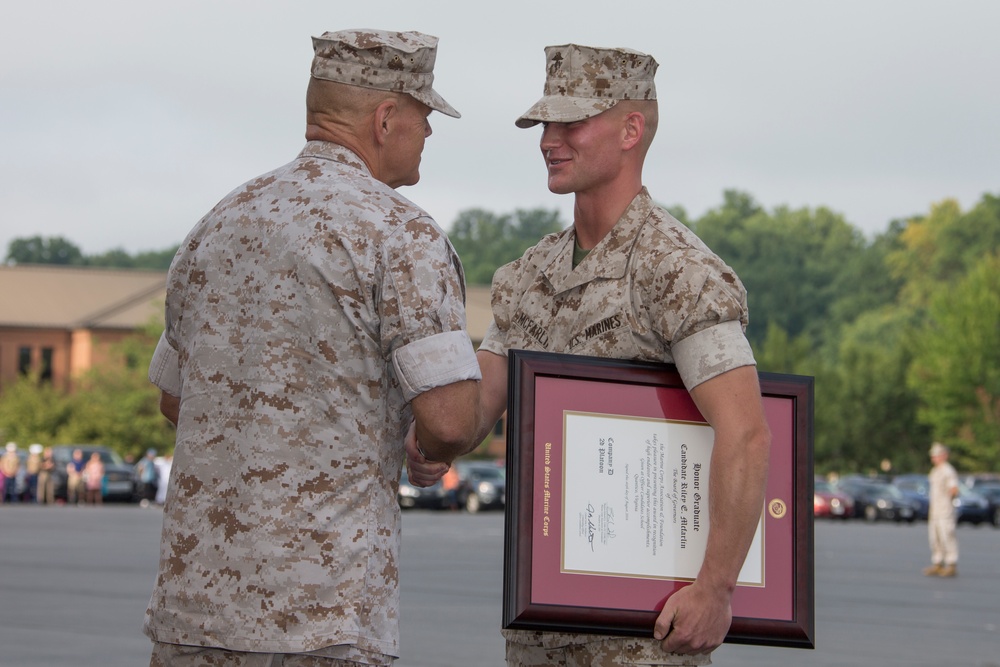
33 476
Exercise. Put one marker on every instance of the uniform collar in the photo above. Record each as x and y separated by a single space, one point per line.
608 259
325 150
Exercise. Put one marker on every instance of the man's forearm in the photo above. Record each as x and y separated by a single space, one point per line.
736 500
738 476
493 391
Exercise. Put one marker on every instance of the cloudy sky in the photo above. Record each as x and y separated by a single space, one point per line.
122 121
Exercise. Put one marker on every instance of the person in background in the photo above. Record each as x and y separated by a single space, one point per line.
450 483
310 317
93 479
147 478
33 467
46 478
75 488
628 281
10 464
941 518
163 465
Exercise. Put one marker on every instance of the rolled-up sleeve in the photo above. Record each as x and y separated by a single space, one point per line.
711 352
435 361
494 341
164 367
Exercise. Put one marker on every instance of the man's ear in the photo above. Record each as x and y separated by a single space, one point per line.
383 120
633 129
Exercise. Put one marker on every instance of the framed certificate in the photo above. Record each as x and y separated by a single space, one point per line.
608 465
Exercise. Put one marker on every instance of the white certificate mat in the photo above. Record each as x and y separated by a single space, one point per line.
635 499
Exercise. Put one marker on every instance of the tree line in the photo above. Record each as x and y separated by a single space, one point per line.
59 251
901 332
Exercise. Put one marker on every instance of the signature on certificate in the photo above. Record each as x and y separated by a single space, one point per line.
599 526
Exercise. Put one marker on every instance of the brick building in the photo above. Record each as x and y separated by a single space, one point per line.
60 321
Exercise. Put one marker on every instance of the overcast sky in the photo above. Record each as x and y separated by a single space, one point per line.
123 121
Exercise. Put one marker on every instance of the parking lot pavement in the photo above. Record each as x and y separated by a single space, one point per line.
75 582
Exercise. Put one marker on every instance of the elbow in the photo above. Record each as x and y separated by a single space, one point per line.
170 407
760 447
449 439
760 441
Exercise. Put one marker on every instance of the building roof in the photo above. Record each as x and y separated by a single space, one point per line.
67 297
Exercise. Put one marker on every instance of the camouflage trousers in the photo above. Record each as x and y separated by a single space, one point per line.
611 652
176 655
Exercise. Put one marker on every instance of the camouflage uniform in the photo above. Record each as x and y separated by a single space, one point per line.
941 516
650 290
304 312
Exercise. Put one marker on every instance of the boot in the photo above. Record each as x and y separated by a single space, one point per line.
933 571
948 571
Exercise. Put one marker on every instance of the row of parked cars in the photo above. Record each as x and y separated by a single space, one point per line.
482 485
904 498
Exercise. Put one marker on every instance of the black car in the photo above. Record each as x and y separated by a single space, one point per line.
970 506
431 497
878 501
915 488
991 492
482 485
118 484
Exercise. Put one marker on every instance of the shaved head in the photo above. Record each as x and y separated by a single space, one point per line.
340 103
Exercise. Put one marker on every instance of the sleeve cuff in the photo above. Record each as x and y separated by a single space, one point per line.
494 339
712 352
435 361
164 367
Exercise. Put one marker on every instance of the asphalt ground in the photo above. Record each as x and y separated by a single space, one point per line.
74 583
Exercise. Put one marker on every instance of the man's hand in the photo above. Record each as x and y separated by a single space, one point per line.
421 472
694 620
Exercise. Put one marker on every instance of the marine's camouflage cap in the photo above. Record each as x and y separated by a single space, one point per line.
402 62
583 81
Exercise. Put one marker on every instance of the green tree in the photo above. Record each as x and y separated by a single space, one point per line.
792 262
866 412
39 250
956 372
155 259
116 258
941 247
486 241
33 411
59 251
778 353
865 282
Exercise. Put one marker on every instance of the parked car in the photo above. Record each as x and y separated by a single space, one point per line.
970 506
829 502
973 480
915 487
991 491
431 497
482 485
118 485
878 501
